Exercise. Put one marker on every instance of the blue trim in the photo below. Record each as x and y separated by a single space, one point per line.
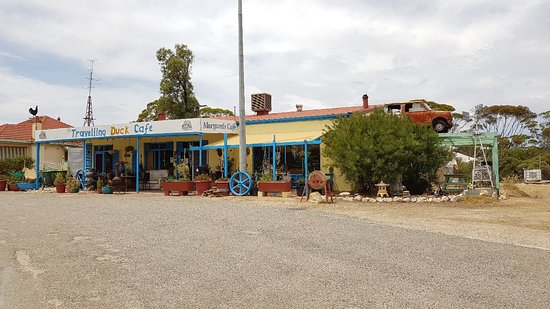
225 155
297 119
200 150
123 136
274 159
137 164
316 141
306 165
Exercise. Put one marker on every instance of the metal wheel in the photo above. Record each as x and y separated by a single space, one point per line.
440 126
316 180
240 183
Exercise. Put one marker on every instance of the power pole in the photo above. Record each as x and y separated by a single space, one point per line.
242 124
89 118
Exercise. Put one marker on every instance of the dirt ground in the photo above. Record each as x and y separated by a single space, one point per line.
519 220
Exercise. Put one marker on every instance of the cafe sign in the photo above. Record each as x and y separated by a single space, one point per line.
152 128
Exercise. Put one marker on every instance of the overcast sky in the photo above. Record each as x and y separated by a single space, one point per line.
318 53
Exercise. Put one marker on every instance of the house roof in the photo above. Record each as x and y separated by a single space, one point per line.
312 113
23 131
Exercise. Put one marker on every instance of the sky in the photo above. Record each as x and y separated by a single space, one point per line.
317 53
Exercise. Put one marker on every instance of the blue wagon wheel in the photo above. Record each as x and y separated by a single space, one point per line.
240 183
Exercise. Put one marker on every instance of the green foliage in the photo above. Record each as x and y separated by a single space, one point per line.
383 146
506 120
206 112
183 171
15 164
177 97
59 178
202 177
437 106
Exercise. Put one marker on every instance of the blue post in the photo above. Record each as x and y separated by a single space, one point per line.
37 164
225 172
136 168
83 180
200 150
306 159
274 160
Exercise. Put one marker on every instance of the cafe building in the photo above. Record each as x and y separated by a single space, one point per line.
290 141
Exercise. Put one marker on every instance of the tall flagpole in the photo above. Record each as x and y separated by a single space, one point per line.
242 130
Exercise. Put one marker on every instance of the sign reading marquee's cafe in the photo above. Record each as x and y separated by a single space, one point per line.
139 129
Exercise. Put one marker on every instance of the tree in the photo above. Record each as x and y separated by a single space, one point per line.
177 97
206 112
506 120
382 147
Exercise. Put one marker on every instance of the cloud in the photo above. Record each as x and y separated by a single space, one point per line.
319 53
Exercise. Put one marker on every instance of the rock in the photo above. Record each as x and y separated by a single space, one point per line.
348 199
379 199
414 199
445 199
503 197
454 199
437 200
388 199
316 197
495 195
421 199
358 198
407 200
366 199
483 193
344 194
429 200
397 199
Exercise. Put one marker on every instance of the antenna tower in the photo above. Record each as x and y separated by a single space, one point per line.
89 118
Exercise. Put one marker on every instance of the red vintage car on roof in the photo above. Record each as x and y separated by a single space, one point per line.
420 112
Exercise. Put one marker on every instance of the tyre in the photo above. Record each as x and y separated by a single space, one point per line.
440 126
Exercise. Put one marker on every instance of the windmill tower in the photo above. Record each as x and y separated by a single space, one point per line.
89 118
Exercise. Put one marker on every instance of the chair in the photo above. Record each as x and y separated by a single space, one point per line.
144 180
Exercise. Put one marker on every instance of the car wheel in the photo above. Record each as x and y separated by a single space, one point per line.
440 126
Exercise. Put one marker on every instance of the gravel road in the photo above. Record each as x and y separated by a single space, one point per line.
150 251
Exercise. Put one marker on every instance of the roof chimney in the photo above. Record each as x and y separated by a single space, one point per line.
299 107
161 116
365 101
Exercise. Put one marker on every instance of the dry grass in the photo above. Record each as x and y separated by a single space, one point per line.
479 200
512 190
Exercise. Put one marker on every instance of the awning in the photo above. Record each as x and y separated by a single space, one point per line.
266 139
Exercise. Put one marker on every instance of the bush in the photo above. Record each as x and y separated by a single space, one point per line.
15 164
384 147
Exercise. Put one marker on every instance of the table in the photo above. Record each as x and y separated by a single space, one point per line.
129 181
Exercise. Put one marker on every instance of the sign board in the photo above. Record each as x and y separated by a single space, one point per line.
143 129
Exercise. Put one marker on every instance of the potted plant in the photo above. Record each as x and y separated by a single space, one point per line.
182 185
266 184
203 182
74 185
107 189
12 183
3 182
222 186
300 185
99 185
59 182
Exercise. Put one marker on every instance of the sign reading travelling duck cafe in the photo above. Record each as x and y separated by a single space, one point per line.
171 127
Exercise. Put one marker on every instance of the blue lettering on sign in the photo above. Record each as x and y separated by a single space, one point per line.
143 129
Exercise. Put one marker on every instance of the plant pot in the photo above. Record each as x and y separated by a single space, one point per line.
107 190
182 187
202 185
223 187
268 186
75 190
3 184
300 188
99 191
13 187
60 188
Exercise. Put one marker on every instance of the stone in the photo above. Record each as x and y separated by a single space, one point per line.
483 193
379 199
495 195
348 199
358 198
316 197
407 200
429 200
397 199
437 200
421 199
388 199
445 199
344 194
503 197
414 199
454 199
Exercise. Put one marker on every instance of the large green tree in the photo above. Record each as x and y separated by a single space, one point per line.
383 147
177 97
